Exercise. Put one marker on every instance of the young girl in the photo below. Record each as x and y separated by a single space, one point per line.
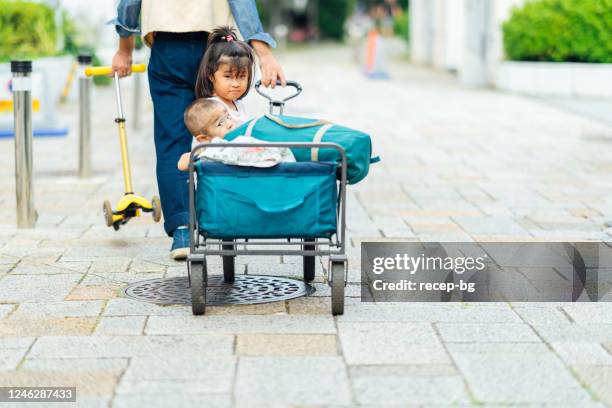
226 72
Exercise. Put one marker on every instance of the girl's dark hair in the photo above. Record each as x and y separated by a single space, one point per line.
223 48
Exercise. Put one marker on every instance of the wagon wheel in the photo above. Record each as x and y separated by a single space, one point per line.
228 263
157 210
198 277
309 262
337 287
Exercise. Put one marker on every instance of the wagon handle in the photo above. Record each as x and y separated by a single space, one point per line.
276 103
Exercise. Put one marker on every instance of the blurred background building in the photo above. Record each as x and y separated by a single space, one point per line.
559 48
464 36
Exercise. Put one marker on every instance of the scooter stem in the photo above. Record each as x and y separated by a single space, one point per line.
125 158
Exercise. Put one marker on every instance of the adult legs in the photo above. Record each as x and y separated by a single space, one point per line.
172 72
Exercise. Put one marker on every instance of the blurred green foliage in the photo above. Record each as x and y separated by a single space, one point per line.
332 15
401 25
560 31
26 30
71 45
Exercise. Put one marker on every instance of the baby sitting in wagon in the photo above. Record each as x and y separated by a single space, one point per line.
209 120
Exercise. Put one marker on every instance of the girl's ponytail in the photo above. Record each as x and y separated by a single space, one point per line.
221 35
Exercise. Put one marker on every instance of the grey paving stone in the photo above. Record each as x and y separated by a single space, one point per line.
22 288
166 387
432 312
16 342
130 346
599 333
409 370
32 268
410 390
186 375
390 343
120 325
597 378
500 377
73 364
510 349
80 267
141 266
175 400
7 259
238 324
5 309
543 314
10 358
92 279
94 401
130 307
286 381
590 312
59 309
582 353
112 265
323 290
284 269
486 333
498 225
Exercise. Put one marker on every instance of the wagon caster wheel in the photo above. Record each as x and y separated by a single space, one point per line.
309 262
157 212
108 213
337 287
228 264
198 287
116 226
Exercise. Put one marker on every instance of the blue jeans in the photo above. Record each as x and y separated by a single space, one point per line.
172 71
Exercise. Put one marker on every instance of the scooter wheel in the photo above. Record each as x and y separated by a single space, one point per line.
157 211
108 213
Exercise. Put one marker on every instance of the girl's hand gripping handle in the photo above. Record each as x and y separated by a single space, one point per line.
96 71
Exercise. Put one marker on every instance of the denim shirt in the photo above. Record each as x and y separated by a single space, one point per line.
244 11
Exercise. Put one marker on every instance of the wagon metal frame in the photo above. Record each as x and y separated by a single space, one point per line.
201 246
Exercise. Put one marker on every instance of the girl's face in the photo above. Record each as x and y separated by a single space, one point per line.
229 83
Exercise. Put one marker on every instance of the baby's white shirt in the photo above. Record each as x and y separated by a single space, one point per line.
240 115
255 156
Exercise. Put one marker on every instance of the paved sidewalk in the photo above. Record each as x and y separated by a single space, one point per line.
458 165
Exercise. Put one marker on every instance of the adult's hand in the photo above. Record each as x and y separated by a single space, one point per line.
271 70
122 61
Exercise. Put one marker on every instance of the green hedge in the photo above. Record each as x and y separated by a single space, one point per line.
26 30
560 31
401 26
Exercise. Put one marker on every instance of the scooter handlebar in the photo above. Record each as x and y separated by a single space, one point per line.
97 71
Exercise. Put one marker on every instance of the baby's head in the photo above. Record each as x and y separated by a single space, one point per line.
208 118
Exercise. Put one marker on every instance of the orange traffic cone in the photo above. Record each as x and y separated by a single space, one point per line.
375 57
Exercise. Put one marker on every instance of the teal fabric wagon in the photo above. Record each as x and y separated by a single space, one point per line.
289 209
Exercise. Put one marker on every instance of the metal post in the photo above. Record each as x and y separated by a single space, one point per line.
84 117
22 107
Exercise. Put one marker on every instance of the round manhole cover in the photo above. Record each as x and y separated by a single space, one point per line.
246 290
